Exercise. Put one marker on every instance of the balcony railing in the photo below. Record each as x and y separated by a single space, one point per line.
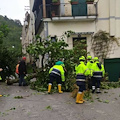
65 10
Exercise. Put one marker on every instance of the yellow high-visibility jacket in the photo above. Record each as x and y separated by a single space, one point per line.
89 66
98 69
82 69
58 70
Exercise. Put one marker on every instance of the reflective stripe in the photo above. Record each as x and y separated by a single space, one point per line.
93 87
80 79
80 92
80 74
55 72
97 76
50 83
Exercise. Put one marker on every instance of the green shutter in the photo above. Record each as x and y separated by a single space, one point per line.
112 67
80 9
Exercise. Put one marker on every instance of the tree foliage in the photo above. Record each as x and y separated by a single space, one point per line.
51 50
3 32
8 55
12 33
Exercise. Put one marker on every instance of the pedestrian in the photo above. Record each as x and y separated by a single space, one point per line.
89 66
98 74
22 72
81 72
1 78
56 73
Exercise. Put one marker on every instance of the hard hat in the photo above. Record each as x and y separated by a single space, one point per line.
96 59
82 58
89 57
24 58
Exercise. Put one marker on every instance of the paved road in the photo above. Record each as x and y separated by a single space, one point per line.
40 106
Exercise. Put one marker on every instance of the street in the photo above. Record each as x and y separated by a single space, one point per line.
22 103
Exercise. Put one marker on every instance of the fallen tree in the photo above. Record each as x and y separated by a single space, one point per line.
28 77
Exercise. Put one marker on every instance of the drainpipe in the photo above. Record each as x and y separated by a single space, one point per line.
112 17
46 29
44 8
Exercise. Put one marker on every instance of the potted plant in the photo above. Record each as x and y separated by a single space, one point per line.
56 2
89 1
73 2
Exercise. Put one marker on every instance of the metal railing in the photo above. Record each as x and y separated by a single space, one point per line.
65 10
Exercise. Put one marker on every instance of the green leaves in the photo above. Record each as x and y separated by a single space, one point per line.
8 55
18 97
51 49
48 108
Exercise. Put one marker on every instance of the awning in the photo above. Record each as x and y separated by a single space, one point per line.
83 33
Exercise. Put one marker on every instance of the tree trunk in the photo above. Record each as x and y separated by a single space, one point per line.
28 78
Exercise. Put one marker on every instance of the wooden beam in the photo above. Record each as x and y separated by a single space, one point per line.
44 8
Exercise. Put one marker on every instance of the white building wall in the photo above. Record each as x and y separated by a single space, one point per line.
109 20
117 18
58 28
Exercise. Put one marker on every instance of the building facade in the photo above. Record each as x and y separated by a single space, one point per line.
82 17
28 31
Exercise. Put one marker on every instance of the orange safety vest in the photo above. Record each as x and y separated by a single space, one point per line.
17 71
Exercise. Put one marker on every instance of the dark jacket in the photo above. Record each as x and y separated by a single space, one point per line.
22 68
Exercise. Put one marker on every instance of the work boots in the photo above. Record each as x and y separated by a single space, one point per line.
79 98
98 90
93 89
59 88
49 88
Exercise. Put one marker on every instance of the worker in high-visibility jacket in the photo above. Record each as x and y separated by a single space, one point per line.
61 62
81 72
89 66
56 73
98 74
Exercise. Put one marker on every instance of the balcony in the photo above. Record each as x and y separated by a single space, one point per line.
66 11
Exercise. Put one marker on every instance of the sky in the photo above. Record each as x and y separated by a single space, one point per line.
14 9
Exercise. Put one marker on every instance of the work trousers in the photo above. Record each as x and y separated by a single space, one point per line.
56 78
22 80
81 85
96 82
